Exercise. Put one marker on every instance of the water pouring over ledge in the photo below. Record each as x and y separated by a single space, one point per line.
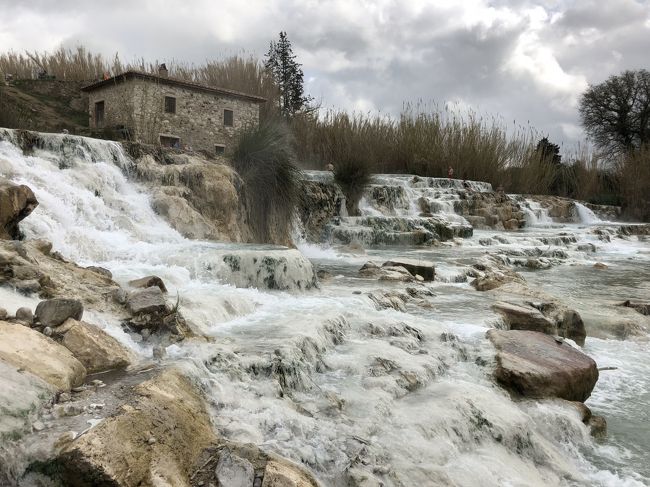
323 377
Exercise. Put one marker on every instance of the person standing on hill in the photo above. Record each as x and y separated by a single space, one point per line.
450 172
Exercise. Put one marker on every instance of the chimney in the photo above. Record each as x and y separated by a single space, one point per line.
162 71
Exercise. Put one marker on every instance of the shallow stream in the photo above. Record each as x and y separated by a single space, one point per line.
327 379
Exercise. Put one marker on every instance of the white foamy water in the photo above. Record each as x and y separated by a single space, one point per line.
536 215
586 215
325 378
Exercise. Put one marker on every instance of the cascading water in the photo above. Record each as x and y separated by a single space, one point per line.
403 210
536 215
586 215
322 376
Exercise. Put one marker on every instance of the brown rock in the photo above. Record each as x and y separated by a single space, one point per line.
533 364
643 308
93 347
387 273
100 270
597 427
146 301
16 203
423 268
30 350
149 281
25 314
519 317
53 312
565 321
283 474
119 451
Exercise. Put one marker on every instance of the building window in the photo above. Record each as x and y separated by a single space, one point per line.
167 141
99 114
220 149
228 117
170 104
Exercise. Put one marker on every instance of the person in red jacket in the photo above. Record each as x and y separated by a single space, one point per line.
450 172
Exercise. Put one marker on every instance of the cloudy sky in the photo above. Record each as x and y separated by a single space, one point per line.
524 60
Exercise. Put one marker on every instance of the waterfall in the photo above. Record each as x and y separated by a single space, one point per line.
357 393
586 215
536 214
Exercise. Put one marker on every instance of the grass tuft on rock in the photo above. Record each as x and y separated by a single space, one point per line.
265 160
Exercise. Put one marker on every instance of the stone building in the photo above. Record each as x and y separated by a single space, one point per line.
171 112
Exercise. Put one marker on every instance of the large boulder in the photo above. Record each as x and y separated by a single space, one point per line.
155 440
93 347
32 267
536 365
149 281
526 308
423 268
385 273
33 352
21 393
149 300
22 397
53 312
643 308
199 197
276 269
491 273
489 209
16 203
519 317
320 202
172 205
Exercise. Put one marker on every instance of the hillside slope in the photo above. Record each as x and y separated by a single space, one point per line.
44 105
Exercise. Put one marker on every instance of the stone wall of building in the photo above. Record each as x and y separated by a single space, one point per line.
118 104
198 121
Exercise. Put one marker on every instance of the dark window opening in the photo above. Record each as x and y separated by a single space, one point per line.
99 114
228 117
220 149
170 104
174 142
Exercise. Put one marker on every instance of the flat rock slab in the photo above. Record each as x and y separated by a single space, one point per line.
32 351
536 365
422 268
53 312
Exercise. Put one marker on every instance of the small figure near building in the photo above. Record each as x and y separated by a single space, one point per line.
450 172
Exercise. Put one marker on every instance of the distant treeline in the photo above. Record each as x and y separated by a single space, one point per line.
422 140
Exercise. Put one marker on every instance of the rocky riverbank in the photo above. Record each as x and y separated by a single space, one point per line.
134 355
149 423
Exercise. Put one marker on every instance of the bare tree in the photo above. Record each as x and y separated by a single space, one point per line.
616 112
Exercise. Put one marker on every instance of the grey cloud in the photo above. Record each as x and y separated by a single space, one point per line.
604 15
380 55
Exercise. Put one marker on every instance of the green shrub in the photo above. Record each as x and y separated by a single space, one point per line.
265 160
